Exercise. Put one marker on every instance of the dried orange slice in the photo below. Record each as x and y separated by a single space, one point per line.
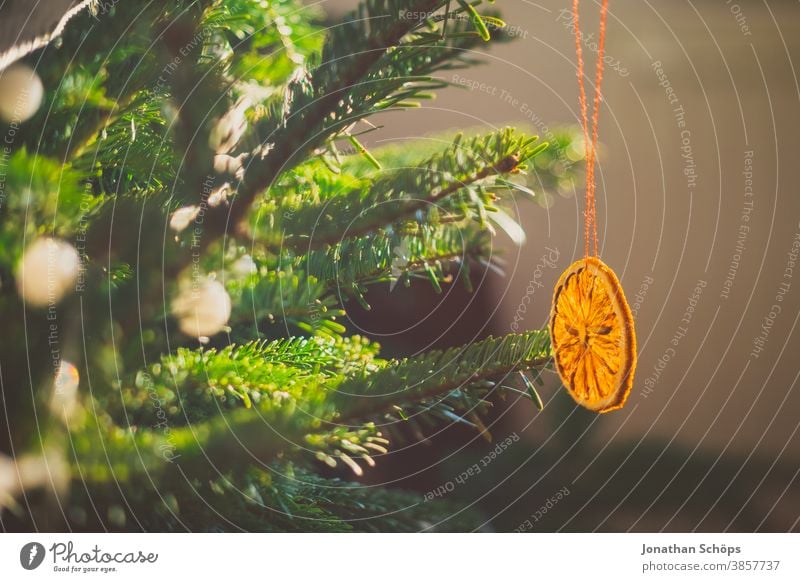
594 342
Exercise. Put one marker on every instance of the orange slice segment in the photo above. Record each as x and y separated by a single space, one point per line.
594 342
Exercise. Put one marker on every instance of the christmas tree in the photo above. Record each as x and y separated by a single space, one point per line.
189 211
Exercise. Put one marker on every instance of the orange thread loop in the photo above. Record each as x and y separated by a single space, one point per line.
590 138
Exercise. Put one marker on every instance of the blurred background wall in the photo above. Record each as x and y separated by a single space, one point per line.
699 215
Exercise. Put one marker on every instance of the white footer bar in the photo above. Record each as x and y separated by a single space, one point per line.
402 557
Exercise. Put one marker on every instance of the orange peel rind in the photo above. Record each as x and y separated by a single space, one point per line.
593 336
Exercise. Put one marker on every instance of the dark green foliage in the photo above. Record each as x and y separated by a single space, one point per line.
231 111
280 498
39 197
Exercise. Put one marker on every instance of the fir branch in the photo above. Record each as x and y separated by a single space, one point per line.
263 42
92 123
390 256
134 154
40 196
440 373
83 97
353 49
279 498
194 385
286 294
401 193
404 74
363 508
317 405
308 290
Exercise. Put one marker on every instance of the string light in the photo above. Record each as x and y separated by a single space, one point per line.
21 93
244 266
202 310
64 400
183 217
47 272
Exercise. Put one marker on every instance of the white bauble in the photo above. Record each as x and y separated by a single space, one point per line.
47 272
202 309
21 93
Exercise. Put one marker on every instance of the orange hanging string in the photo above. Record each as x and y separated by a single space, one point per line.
590 138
